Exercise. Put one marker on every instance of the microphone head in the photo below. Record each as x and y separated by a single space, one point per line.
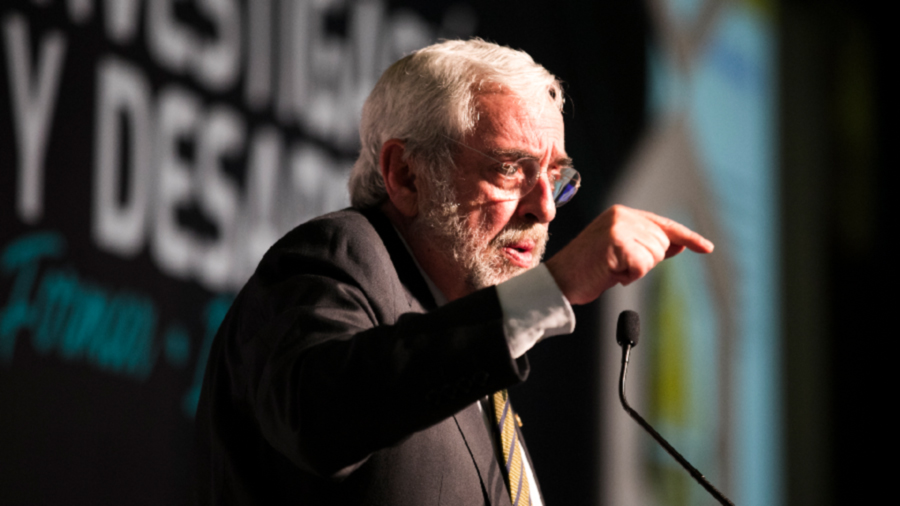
628 328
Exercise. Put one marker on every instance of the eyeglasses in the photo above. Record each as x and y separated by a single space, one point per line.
514 180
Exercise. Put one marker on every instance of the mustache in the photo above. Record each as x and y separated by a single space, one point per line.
517 232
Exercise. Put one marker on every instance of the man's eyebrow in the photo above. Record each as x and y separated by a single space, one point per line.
563 161
516 154
510 154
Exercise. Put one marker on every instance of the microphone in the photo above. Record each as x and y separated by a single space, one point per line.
628 330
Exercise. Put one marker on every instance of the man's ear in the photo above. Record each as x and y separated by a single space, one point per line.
399 178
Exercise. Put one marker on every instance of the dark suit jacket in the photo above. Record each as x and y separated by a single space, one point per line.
329 384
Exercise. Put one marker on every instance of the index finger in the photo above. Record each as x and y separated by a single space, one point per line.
681 235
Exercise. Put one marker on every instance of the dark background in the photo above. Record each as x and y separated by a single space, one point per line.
71 434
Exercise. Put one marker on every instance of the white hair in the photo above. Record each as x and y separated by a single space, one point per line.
428 99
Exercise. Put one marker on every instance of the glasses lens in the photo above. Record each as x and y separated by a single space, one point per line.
566 187
531 168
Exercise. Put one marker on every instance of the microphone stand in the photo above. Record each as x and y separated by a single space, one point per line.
626 352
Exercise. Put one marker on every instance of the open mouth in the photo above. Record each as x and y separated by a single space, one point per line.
520 253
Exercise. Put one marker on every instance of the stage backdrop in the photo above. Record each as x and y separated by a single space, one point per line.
150 152
707 374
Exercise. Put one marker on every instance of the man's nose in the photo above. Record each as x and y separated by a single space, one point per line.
538 203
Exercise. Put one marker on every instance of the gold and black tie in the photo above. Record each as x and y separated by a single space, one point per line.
519 490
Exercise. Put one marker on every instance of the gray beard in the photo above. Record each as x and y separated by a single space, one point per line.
480 257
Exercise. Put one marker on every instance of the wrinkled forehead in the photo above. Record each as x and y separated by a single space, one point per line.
509 117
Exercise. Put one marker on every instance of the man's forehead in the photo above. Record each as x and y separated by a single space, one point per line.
522 109
518 124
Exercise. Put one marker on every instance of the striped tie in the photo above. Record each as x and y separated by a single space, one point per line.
519 490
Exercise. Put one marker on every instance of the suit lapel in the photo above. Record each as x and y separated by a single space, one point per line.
471 425
470 420
417 293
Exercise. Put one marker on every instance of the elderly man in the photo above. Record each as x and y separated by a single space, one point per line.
366 360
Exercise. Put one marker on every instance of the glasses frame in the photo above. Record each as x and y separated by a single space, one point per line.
567 175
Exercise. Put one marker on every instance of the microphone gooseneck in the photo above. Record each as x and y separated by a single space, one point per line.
627 330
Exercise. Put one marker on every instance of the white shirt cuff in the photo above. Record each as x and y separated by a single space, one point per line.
533 308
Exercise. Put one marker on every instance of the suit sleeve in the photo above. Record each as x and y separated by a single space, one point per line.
314 356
